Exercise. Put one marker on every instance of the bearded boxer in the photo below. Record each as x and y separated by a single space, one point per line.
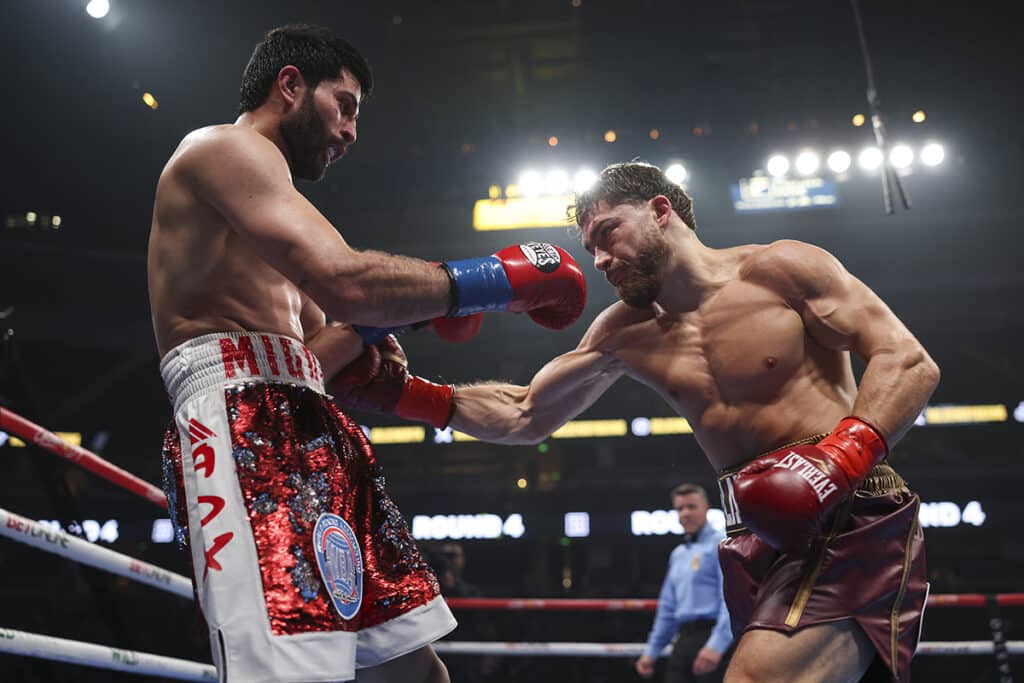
304 568
824 564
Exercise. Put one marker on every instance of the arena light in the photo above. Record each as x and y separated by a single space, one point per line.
857 120
556 181
149 100
676 173
410 434
576 524
839 161
966 414
97 9
777 166
901 156
531 183
588 429
949 514
919 116
870 158
807 163
553 141
610 136
662 522
162 531
932 154
583 180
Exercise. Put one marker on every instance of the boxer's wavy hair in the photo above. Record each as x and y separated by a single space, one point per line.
634 182
314 50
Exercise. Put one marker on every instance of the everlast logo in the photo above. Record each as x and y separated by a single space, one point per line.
818 480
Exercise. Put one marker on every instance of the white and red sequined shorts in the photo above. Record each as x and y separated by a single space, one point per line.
304 568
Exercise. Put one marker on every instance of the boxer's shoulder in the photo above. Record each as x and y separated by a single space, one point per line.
616 326
791 267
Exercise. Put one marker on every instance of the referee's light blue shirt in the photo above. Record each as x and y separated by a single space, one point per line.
692 590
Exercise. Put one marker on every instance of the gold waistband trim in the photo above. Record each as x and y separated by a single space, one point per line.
802 442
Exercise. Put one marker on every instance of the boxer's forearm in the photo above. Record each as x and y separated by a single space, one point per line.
514 414
895 387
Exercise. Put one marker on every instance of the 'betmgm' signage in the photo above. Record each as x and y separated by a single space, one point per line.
762 193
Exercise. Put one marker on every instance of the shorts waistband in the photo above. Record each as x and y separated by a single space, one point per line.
882 479
225 358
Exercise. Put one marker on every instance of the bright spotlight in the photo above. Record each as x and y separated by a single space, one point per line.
870 158
583 180
901 156
778 166
97 9
839 161
531 183
932 154
556 181
807 163
676 173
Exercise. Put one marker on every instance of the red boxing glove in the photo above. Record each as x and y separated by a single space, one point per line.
379 382
458 329
547 282
537 278
785 496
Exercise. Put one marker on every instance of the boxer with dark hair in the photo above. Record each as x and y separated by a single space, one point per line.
824 564
304 568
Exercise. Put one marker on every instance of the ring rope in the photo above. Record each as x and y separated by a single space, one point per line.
30 432
38 535
102 656
967 647
650 605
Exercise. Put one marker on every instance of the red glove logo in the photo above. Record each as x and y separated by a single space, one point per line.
542 255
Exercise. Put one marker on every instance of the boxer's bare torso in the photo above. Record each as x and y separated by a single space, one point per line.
751 344
741 367
203 276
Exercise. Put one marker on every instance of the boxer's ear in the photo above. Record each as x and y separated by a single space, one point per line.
290 84
662 207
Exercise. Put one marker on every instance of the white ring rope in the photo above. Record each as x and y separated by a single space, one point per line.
32 533
102 656
972 647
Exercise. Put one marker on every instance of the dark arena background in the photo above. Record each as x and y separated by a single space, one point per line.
485 117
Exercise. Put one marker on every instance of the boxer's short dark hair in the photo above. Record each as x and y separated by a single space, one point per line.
314 50
634 182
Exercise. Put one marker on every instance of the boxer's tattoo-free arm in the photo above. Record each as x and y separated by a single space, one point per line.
842 313
561 390
244 177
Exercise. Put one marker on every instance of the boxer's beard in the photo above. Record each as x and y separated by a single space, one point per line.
306 137
641 281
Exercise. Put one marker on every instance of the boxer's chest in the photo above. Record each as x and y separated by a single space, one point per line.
741 347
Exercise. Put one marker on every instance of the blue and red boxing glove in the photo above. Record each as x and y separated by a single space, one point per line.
536 278
787 495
